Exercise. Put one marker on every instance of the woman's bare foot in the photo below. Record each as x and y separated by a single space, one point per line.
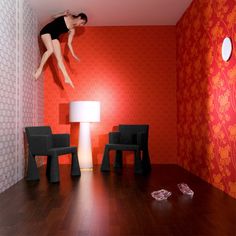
37 73
68 81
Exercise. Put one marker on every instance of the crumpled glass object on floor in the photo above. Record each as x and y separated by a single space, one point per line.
161 194
184 188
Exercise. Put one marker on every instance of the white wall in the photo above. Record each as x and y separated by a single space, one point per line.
21 98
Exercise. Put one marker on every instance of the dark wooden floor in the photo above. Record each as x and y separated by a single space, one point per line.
116 204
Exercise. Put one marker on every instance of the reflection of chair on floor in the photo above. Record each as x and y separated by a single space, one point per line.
43 143
129 138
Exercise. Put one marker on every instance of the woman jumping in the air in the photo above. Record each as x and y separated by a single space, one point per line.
63 22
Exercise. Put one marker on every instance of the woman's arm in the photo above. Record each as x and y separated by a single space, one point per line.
64 13
70 39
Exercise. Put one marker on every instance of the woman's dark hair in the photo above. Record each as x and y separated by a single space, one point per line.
82 17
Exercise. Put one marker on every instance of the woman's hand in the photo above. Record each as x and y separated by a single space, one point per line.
76 58
64 13
67 12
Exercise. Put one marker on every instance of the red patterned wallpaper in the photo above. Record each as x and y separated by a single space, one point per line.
132 71
206 93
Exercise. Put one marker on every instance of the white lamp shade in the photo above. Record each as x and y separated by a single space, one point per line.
85 111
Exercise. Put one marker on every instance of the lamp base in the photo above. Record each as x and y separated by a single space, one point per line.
86 169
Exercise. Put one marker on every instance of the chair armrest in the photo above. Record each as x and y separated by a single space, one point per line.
39 144
61 140
114 137
141 139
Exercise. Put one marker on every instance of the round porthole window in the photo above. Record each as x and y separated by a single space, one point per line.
226 49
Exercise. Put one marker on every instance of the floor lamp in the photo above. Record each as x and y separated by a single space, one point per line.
85 112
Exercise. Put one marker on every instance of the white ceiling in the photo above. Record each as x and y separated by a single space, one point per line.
115 12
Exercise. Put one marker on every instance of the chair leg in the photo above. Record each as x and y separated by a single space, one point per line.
75 168
137 163
48 166
146 162
105 161
54 169
118 160
32 171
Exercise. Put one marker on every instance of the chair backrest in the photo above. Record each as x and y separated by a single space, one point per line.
38 130
40 146
128 133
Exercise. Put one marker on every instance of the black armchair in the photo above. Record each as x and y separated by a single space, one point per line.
129 138
42 142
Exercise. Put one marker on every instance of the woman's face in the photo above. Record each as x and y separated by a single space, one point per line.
79 22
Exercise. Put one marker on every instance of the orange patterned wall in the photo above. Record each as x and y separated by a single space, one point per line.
206 93
132 71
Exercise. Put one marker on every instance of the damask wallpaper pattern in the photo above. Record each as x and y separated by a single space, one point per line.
21 102
206 93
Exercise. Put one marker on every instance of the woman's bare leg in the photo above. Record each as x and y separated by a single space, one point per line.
57 52
47 40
